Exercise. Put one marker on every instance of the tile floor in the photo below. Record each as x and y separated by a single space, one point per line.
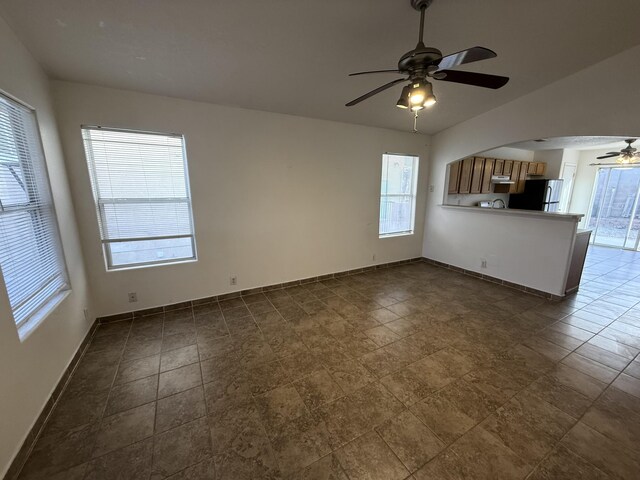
413 372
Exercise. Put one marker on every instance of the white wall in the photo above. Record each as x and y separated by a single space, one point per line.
565 108
585 178
275 197
30 370
509 153
553 159
488 235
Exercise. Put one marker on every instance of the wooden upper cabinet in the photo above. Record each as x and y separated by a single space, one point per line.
473 175
515 174
454 176
487 174
508 167
498 166
465 175
524 170
476 175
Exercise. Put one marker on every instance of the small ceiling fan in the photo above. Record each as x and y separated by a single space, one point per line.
423 63
625 156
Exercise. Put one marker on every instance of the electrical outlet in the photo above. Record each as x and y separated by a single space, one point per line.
430 188
133 297
233 280
86 314
373 257
483 263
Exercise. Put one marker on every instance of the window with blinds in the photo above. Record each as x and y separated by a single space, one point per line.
31 258
398 194
141 190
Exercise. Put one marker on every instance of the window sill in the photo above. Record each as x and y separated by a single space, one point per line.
150 265
27 328
391 235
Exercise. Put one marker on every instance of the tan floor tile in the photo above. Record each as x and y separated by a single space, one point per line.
602 452
318 389
528 426
628 384
278 407
563 464
369 458
410 439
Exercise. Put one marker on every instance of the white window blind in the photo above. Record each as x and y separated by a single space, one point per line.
141 189
31 256
398 194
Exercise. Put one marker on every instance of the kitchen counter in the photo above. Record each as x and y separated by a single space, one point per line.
543 251
576 217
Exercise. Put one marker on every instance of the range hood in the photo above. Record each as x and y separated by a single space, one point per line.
501 180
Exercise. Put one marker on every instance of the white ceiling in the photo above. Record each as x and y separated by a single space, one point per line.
573 143
293 56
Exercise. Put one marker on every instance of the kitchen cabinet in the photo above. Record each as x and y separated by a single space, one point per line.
473 175
487 172
466 171
454 176
524 170
476 175
537 168
515 175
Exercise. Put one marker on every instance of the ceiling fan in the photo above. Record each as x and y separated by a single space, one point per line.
424 63
625 156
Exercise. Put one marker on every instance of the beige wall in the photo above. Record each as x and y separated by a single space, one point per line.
553 159
585 178
275 197
565 108
29 370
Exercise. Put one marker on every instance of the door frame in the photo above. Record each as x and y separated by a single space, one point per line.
573 181
594 233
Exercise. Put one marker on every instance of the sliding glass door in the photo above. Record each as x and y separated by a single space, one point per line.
614 215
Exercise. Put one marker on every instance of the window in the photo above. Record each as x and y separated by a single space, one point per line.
31 256
141 189
398 194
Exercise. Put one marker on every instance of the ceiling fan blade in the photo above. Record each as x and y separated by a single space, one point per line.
609 155
374 71
473 54
475 79
374 92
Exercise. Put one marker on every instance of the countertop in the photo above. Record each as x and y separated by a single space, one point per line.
516 212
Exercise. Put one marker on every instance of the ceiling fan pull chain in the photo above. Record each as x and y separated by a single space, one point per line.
415 122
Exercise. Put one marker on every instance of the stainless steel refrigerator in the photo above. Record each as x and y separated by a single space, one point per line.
542 195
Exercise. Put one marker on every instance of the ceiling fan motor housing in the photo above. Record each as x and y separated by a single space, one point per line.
417 60
418 4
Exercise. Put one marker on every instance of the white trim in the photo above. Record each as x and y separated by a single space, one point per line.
28 327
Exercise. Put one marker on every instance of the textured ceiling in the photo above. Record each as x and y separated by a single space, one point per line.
293 56
573 143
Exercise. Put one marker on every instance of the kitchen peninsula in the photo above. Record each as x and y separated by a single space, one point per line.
543 252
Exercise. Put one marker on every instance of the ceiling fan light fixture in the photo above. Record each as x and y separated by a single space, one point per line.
626 159
417 94
403 101
430 99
